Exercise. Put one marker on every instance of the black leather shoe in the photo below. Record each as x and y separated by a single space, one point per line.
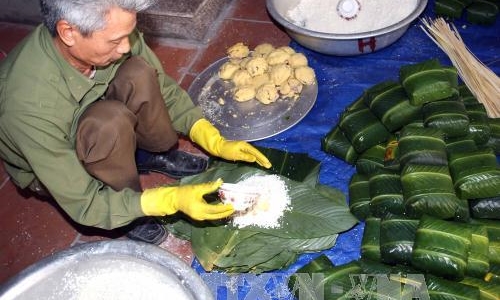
174 163
147 230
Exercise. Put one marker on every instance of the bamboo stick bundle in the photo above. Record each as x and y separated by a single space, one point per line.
481 81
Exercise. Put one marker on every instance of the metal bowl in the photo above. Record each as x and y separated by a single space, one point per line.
116 269
341 44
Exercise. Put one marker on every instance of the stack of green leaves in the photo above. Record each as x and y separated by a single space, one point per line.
444 126
389 102
482 208
316 216
451 8
475 173
374 280
441 248
448 168
359 195
371 160
445 289
397 236
479 127
421 145
493 229
370 244
494 140
477 11
336 143
462 144
478 262
428 190
429 81
450 116
450 251
386 194
363 129
487 290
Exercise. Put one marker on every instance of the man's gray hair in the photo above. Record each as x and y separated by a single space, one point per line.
87 15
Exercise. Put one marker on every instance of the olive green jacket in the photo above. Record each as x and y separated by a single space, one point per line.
41 99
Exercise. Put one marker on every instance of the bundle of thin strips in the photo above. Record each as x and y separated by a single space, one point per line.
481 81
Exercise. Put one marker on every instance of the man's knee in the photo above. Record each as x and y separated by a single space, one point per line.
102 125
106 112
136 68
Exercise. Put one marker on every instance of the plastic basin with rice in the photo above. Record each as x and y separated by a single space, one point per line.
115 269
341 44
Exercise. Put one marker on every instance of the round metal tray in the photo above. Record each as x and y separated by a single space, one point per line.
251 120
117 269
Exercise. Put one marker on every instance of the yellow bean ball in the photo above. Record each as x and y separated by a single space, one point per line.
262 50
244 61
227 70
241 78
297 60
257 66
295 85
287 49
285 89
244 93
280 73
305 75
259 80
278 56
238 51
267 93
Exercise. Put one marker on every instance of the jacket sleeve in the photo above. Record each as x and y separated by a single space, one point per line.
52 158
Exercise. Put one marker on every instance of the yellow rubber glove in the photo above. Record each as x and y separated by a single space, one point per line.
187 199
207 136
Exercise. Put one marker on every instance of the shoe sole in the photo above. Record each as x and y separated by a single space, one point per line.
158 240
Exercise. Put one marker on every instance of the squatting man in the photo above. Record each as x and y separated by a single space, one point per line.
85 107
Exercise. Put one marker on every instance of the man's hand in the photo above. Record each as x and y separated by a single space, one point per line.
187 199
207 136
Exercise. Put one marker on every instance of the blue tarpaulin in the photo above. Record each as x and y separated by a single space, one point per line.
341 80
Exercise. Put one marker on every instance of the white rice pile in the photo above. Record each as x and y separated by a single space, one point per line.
270 206
128 285
110 278
322 15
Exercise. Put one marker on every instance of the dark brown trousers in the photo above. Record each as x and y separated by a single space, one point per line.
133 114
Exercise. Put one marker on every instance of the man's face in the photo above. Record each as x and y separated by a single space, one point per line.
105 46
